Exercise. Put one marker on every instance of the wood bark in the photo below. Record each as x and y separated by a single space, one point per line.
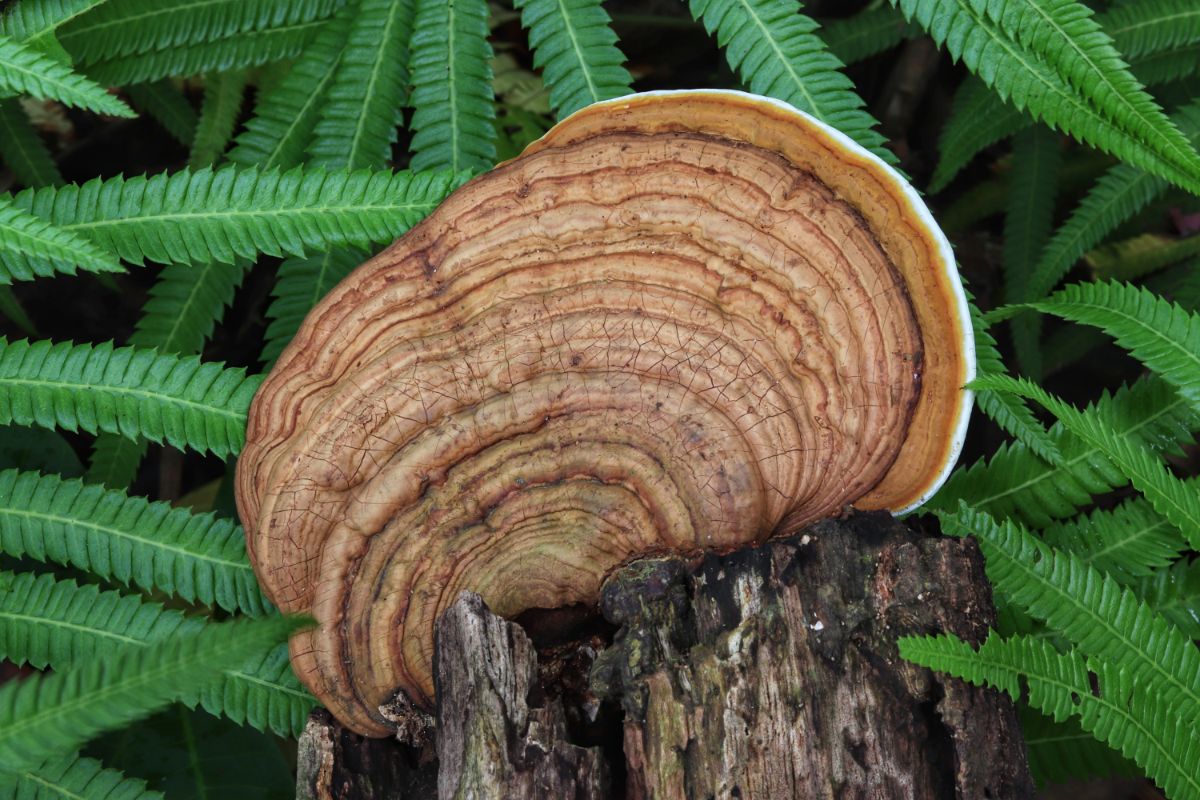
771 672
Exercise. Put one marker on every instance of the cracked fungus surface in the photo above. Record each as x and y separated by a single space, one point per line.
677 323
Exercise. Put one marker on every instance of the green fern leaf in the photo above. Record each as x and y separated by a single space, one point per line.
1016 483
24 70
35 21
284 118
1167 67
1066 36
57 624
1161 335
46 716
1021 77
166 104
31 247
132 391
1152 26
133 27
235 212
1141 255
1169 496
197 557
1111 703
978 119
223 96
773 48
575 47
1175 593
867 33
73 777
1063 751
1128 542
357 124
14 312
301 283
241 51
452 87
23 150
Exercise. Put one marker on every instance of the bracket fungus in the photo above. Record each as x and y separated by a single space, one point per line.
679 322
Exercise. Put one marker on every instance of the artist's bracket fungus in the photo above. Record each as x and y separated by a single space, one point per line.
680 321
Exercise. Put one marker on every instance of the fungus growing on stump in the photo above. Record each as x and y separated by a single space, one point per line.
679 322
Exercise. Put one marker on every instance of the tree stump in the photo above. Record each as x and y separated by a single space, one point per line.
771 672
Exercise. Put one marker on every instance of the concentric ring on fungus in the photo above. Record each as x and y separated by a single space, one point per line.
679 322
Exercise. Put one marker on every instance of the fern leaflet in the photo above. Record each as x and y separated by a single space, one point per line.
1061 751
301 283
57 624
166 104
978 119
1120 710
1175 593
773 48
1152 26
575 47
23 150
867 33
223 95
72 776
35 21
24 70
1128 542
97 388
49 715
452 87
31 247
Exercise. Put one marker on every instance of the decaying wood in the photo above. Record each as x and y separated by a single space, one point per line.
333 763
767 673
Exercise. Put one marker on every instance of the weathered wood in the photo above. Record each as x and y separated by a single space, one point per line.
773 672
767 673
333 763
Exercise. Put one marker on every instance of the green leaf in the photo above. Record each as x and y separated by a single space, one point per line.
133 27
25 70
223 96
867 33
452 87
132 391
197 557
1021 76
774 50
1152 26
166 104
1169 496
575 47
1128 542
37 449
49 715
35 21
1062 751
58 624
237 212
31 247
1112 704
23 149
14 312
284 117
72 777
300 284
356 126
1140 255
978 119
1175 593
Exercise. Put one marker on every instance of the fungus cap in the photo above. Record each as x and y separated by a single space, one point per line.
679 322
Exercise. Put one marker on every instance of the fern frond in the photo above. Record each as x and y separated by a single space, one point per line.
774 49
1121 709
978 119
1128 542
1102 618
575 47
1152 26
1116 197
132 391
300 284
236 212
32 21
132 27
1021 77
284 116
167 105
1175 593
1160 334
31 247
197 557
25 70
241 51
357 124
14 312
1174 65
867 33
1065 35
73 777
50 623
1016 483
452 97
1062 751
23 150
223 96
1169 496
49 715
1141 255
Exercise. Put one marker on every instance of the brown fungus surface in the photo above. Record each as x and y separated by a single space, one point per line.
679 322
